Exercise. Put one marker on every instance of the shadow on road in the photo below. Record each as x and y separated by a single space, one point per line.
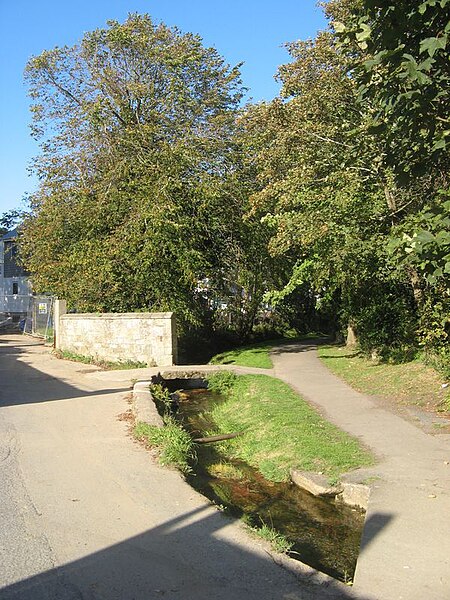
183 559
21 383
373 525
299 346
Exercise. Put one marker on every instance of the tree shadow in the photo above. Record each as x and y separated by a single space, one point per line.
299 345
21 383
182 559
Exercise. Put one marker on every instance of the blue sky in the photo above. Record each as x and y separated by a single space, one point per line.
252 31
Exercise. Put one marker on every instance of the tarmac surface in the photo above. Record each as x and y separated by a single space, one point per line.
86 513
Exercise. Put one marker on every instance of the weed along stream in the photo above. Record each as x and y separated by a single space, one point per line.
318 531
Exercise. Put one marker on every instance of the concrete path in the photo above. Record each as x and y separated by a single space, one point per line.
86 514
405 552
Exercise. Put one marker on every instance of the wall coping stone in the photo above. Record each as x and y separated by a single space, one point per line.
147 316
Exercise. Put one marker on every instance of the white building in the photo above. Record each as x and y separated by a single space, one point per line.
15 288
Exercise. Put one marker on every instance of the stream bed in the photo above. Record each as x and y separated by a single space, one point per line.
323 534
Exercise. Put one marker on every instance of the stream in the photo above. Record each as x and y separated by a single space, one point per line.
323 534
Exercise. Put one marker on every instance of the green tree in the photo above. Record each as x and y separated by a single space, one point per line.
324 193
400 61
136 125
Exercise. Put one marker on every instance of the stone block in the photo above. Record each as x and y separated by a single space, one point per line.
355 494
144 407
315 483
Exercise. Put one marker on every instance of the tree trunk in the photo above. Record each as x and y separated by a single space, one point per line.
352 338
416 284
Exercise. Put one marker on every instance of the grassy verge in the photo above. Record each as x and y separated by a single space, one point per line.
257 355
281 430
175 445
104 364
412 383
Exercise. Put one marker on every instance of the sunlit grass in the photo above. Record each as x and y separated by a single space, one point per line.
281 430
103 364
407 383
256 355
174 443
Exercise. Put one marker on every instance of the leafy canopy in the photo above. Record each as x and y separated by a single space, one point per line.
135 124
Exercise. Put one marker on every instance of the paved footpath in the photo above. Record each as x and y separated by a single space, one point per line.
86 514
405 552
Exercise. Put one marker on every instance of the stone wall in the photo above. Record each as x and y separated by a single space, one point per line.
144 337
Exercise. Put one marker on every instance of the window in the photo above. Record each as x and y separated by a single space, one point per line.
15 288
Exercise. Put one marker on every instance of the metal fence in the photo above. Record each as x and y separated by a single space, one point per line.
39 320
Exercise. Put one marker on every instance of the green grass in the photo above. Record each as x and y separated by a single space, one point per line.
411 383
221 382
277 540
104 364
256 355
281 431
175 445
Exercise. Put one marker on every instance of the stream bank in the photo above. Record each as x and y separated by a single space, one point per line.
320 532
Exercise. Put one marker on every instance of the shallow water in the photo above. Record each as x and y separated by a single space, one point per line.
324 535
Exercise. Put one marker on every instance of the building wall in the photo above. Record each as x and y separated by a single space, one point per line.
9 301
144 337
15 288
11 267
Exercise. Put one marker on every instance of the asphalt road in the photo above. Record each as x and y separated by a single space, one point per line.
86 513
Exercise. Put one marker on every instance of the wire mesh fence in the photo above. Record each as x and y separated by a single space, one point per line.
39 320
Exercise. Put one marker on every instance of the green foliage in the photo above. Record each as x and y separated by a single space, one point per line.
439 359
162 397
10 219
277 540
320 192
402 69
139 197
383 315
104 364
221 381
363 111
175 445
425 243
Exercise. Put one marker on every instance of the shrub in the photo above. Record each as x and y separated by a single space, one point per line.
221 382
176 446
